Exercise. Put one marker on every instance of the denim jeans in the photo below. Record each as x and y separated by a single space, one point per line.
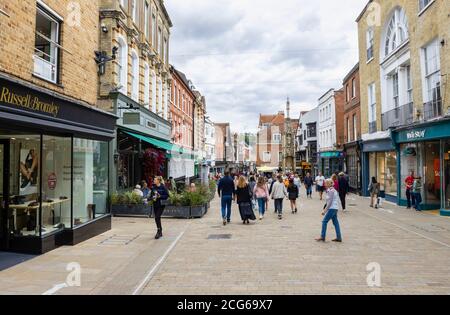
279 205
262 205
226 207
309 191
417 200
331 215
410 198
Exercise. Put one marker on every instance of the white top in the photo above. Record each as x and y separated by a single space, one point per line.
320 180
279 190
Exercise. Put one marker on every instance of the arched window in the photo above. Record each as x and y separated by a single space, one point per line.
122 63
134 76
154 91
396 32
160 99
146 86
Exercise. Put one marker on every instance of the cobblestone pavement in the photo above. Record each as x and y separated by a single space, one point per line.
267 257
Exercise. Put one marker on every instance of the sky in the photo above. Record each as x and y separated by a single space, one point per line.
247 56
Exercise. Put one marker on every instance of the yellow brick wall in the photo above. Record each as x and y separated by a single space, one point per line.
78 74
432 23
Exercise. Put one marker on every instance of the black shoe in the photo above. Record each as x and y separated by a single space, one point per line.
296 210
158 234
337 241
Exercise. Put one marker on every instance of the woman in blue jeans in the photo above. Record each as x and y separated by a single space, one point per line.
330 212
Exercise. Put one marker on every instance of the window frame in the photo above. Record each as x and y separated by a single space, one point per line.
48 13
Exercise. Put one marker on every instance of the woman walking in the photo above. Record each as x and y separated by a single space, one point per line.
293 193
278 194
252 185
244 199
261 193
330 212
158 194
374 190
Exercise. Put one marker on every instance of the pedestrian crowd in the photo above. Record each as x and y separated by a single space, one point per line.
253 192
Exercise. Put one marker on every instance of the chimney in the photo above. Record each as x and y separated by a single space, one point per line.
288 108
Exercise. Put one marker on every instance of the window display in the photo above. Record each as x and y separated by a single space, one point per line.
446 175
90 180
56 184
383 166
24 191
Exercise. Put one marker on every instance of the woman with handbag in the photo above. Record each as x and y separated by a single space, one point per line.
244 197
261 193
159 195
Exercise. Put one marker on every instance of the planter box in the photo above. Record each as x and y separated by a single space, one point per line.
172 211
132 210
198 211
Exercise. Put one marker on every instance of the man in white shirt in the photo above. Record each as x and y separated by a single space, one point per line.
320 185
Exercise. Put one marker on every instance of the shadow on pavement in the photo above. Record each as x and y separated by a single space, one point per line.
8 260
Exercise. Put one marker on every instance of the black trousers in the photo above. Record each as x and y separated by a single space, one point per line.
410 197
159 210
342 197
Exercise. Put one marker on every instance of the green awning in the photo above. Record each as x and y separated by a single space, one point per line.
165 145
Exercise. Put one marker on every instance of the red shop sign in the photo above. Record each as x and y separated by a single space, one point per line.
52 181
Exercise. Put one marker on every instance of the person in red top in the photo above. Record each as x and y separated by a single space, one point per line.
409 181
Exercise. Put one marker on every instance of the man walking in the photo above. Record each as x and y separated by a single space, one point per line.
308 181
409 181
320 185
226 190
343 189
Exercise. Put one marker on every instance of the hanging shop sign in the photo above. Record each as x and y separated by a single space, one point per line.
334 154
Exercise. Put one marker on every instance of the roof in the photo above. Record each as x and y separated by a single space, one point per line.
363 11
272 119
350 74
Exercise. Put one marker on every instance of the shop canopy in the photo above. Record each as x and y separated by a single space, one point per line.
266 169
161 144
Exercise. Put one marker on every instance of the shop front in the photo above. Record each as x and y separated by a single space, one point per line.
425 151
54 166
379 159
353 165
331 162
142 149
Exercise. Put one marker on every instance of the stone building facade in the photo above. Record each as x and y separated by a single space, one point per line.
404 66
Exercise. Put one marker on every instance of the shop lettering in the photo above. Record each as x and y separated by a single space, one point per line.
28 102
415 135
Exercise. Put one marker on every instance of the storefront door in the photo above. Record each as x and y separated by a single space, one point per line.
4 183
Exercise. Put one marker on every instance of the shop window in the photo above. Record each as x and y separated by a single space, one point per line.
46 50
56 183
25 185
383 166
90 180
446 173
411 158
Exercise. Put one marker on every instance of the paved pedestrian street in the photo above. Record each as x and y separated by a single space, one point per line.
268 257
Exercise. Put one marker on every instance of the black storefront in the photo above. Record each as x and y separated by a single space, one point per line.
55 161
353 165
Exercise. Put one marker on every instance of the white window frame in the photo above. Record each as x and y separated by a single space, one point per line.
134 11
423 7
135 75
370 44
122 64
147 86
355 128
372 101
44 69
392 39
146 19
154 89
431 73
276 137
